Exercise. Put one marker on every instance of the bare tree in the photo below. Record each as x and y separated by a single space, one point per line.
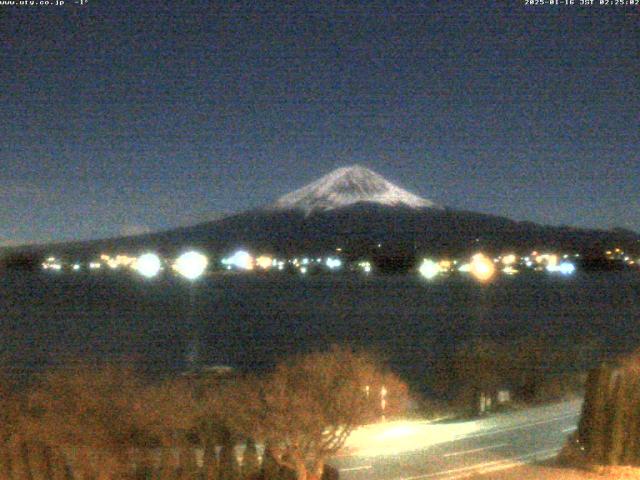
168 413
104 423
87 413
9 415
307 407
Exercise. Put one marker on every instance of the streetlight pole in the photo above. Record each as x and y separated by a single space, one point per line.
383 401
484 271
193 348
192 265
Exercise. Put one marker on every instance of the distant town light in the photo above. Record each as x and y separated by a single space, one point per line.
119 261
445 265
465 268
52 263
240 259
509 270
265 262
333 263
565 268
148 265
191 265
509 259
365 266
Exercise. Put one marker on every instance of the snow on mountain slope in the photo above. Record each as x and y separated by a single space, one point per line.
347 186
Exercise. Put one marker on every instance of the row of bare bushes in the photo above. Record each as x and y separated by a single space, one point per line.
108 422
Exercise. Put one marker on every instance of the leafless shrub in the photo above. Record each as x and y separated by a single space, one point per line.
307 407
106 422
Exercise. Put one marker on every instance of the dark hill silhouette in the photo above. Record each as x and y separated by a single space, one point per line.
362 213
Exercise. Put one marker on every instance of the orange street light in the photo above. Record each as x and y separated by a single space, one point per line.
482 268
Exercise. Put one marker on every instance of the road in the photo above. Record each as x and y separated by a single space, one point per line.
420 450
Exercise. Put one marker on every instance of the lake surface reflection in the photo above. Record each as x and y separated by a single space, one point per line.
252 321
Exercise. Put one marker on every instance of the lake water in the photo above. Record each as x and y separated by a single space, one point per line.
251 321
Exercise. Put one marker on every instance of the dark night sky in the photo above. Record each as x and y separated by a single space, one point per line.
122 116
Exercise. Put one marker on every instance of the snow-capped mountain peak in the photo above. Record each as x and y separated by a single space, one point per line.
347 186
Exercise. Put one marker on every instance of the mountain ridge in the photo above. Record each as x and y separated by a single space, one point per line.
355 209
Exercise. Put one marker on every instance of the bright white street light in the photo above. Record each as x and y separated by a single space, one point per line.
565 268
148 265
333 263
241 260
191 265
429 269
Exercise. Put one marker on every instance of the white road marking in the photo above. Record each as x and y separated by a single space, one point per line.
453 470
519 426
353 469
486 467
567 430
490 447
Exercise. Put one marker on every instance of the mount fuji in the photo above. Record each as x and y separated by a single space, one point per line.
363 214
349 186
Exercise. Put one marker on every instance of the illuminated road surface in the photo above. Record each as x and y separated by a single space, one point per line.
420 450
